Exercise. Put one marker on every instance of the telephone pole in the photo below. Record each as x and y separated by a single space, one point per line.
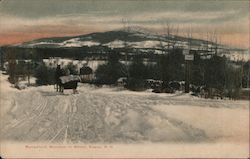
188 61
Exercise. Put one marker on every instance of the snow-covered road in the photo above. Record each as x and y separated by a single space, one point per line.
114 115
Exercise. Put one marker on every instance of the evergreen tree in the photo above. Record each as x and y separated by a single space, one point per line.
171 66
72 68
109 73
44 75
215 72
138 72
232 81
138 69
152 72
198 71
246 75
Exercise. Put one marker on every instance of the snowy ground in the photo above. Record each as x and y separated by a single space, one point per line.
114 115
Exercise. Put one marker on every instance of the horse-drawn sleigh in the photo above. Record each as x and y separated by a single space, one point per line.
66 81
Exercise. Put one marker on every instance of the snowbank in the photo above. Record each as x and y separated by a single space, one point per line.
107 114
113 115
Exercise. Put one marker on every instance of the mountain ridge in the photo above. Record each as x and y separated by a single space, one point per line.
136 40
109 36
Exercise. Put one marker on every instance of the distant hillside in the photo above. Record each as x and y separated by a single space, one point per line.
133 40
115 39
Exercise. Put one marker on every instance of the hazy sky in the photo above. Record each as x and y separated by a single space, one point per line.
22 20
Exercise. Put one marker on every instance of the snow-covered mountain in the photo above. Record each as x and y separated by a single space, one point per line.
115 39
136 39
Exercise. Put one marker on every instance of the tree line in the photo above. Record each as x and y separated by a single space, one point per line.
215 72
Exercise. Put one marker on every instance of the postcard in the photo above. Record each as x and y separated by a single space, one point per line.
124 78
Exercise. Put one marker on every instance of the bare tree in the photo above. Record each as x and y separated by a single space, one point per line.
213 39
189 35
126 28
170 31
11 58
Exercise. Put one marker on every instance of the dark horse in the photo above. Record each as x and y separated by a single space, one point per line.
58 74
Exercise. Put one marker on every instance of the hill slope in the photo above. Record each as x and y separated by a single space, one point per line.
115 39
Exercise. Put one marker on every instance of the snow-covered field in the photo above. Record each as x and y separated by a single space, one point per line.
93 64
118 116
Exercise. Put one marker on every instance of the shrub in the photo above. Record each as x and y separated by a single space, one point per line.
72 68
135 84
138 69
110 72
44 75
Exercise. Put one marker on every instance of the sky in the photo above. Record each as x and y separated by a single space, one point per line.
24 20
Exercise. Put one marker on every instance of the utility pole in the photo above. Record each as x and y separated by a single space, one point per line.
126 28
248 77
28 73
187 76
188 61
1 59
